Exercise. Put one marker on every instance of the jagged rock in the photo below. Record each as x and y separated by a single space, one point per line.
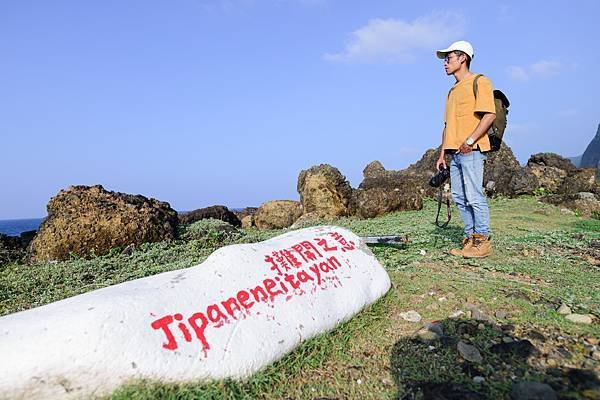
324 191
11 249
369 203
591 155
214 212
580 180
551 160
584 203
84 220
277 214
507 175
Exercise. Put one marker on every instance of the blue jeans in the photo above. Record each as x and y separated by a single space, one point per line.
466 177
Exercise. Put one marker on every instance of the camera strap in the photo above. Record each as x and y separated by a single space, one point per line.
447 201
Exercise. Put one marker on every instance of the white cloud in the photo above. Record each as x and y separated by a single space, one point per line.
542 69
395 40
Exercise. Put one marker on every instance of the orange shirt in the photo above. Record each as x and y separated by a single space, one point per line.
463 112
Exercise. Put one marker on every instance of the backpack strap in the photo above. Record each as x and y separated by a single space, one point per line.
475 87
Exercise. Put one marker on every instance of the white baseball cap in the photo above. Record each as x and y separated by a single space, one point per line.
461 45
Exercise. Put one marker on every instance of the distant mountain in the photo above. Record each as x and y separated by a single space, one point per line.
576 160
591 155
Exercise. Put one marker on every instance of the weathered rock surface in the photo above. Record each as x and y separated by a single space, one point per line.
214 212
277 214
369 203
584 203
503 175
580 180
324 191
84 220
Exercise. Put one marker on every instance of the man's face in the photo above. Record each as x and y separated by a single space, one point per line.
452 63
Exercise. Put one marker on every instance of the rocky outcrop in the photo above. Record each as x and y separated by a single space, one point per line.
591 155
584 203
11 249
86 220
558 175
215 212
369 203
503 175
550 170
277 214
247 216
324 191
580 180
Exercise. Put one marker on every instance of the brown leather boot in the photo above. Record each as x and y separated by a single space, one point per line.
466 242
481 247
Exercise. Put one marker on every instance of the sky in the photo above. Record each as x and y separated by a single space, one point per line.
204 102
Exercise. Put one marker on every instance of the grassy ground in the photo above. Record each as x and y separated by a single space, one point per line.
543 257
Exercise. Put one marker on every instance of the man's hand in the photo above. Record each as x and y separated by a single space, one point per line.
465 149
440 162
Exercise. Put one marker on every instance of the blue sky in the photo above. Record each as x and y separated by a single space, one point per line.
203 102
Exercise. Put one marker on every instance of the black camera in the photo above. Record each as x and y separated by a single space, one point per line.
440 177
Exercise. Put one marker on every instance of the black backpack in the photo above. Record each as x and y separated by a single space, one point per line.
496 131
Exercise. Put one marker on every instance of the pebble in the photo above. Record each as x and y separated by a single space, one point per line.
579 318
435 327
468 352
507 339
596 355
501 314
564 309
411 316
359 381
478 379
422 252
456 314
481 327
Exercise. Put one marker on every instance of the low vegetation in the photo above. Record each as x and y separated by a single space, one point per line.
544 257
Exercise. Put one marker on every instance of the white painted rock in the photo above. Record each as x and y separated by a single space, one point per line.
243 308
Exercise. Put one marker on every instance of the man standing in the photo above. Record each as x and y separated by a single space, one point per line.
467 120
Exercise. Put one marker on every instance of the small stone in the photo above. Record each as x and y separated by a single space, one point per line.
468 352
564 309
435 327
456 314
387 382
507 339
426 335
411 316
592 341
478 379
500 314
359 381
431 348
532 391
481 327
579 318
596 355
422 252
442 299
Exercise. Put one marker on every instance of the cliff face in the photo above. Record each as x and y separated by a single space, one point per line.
591 156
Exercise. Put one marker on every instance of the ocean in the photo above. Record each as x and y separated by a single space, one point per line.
14 227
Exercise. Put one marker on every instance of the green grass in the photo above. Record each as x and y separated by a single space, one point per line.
541 258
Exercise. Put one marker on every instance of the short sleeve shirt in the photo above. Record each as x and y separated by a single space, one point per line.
464 111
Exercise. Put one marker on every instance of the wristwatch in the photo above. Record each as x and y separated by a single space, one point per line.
469 141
